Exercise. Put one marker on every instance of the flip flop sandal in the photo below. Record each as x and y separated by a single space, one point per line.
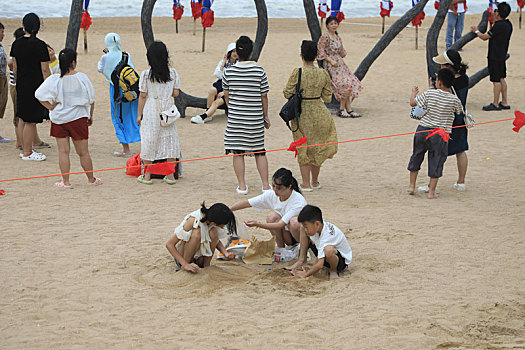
42 145
5 140
317 187
500 105
35 156
305 189
142 181
169 181
64 186
354 114
122 154
97 182
343 114
491 107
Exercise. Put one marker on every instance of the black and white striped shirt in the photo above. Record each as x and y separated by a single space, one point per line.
245 83
440 106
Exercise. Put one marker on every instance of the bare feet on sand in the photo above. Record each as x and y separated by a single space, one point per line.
432 196
334 275
411 190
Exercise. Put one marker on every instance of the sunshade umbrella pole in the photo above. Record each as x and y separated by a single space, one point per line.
203 38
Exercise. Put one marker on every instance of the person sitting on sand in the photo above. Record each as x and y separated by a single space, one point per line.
326 241
440 105
199 234
285 201
70 98
216 94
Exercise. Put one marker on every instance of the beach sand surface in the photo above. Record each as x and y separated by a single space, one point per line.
88 269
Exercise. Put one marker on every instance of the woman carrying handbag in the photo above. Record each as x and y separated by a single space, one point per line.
315 122
157 87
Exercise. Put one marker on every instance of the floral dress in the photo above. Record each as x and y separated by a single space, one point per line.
316 122
344 83
158 142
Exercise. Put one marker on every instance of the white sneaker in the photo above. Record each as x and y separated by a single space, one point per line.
425 189
459 187
239 191
198 120
35 156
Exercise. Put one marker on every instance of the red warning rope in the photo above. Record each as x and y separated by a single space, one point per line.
291 148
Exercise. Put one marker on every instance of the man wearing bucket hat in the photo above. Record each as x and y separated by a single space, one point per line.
215 95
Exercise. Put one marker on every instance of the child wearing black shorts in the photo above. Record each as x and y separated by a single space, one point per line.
327 242
440 105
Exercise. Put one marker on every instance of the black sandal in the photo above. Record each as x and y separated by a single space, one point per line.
354 114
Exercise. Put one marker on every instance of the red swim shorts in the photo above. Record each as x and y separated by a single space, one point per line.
77 129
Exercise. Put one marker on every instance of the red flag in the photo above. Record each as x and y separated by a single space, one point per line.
207 19
436 4
177 12
340 16
519 121
439 131
521 3
86 20
163 168
2 192
294 144
323 10
418 20
386 7
196 9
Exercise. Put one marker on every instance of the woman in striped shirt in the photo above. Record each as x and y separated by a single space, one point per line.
246 95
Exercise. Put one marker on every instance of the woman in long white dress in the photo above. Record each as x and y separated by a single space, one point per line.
162 81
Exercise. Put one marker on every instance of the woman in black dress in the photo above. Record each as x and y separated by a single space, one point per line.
31 65
458 142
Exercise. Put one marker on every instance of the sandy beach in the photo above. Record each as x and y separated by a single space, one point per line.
88 268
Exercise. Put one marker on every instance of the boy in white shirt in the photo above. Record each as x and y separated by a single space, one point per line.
329 244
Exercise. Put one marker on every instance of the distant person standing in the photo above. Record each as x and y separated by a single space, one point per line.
3 80
31 68
499 38
455 21
123 115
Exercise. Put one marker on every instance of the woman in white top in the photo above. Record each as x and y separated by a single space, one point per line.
198 235
286 202
70 98
216 94
162 82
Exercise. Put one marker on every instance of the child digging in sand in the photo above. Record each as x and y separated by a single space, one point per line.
440 105
325 240
198 235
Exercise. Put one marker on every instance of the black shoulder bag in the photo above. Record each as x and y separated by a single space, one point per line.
292 109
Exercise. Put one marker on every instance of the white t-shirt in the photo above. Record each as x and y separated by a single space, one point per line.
73 94
461 7
287 209
332 235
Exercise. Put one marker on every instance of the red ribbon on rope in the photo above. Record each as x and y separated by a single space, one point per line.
439 131
519 121
294 144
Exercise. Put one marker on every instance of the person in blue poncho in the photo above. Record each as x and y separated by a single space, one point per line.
126 129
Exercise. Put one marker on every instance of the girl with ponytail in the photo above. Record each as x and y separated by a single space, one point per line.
199 234
285 202
70 98
31 68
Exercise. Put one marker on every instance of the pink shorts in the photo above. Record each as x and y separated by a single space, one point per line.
77 129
